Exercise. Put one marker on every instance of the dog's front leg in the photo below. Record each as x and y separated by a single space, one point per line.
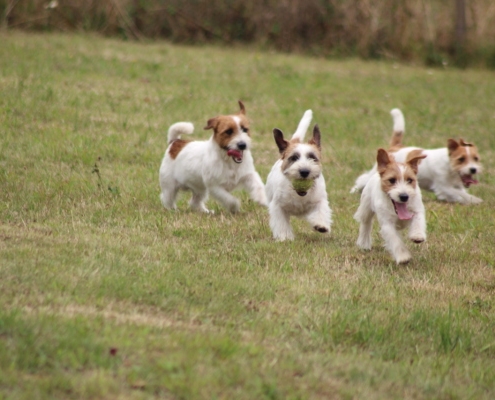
229 202
321 217
280 223
417 230
254 185
453 195
393 242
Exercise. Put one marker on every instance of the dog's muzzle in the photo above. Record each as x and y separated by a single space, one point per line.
468 180
236 155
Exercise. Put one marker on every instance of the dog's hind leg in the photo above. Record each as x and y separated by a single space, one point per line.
168 195
365 218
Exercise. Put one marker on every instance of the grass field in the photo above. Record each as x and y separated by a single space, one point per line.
104 294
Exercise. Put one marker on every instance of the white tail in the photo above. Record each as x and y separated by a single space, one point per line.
399 123
303 126
179 128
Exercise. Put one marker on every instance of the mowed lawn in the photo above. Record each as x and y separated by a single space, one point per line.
104 294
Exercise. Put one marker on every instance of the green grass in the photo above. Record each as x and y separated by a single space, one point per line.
200 306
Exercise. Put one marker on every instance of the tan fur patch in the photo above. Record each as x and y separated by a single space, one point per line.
291 151
461 154
414 158
225 128
176 146
390 172
389 176
396 141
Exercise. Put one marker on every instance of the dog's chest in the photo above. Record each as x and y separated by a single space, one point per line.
294 204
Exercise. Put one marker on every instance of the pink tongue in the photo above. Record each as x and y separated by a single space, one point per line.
467 180
402 211
234 153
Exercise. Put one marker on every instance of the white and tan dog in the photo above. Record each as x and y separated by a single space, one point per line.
295 185
392 194
213 167
447 171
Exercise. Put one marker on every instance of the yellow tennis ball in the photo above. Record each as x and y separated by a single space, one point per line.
302 185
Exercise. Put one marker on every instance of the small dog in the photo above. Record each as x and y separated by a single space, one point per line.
215 166
295 185
447 171
393 195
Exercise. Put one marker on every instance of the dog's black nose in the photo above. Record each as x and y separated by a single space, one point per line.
472 170
241 146
304 173
403 197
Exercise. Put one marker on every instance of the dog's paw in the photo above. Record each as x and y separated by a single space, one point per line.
474 200
364 244
403 257
418 238
235 206
321 229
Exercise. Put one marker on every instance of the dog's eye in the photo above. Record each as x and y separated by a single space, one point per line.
311 156
462 159
294 158
244 129
409 180
392 181
229 131
476 159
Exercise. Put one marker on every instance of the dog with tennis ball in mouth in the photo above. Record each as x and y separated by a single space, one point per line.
295 185
393 195
211 167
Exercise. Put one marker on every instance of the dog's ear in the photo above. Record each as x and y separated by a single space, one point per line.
279 139
452 145
316 139
382 160
211 124
463 143
414 158
243 109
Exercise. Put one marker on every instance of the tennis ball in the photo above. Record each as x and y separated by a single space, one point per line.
302 185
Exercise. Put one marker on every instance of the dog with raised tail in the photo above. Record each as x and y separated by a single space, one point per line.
447 172
392 194
212 167
295 185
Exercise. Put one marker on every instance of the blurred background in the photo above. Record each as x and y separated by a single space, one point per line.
435 32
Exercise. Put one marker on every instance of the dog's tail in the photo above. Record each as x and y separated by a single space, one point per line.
303 126
179 128
399 129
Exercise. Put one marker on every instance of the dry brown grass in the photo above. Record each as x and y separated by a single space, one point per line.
392 28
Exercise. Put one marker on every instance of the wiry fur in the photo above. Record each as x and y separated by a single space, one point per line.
212 167
447 171
298 160
394 197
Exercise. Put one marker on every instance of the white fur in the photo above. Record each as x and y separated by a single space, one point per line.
435 173
399 122
374 201
205 169
303 126
284 202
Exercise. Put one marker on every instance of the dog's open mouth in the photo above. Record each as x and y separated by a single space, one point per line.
468 180
401 210
302 186
236 155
